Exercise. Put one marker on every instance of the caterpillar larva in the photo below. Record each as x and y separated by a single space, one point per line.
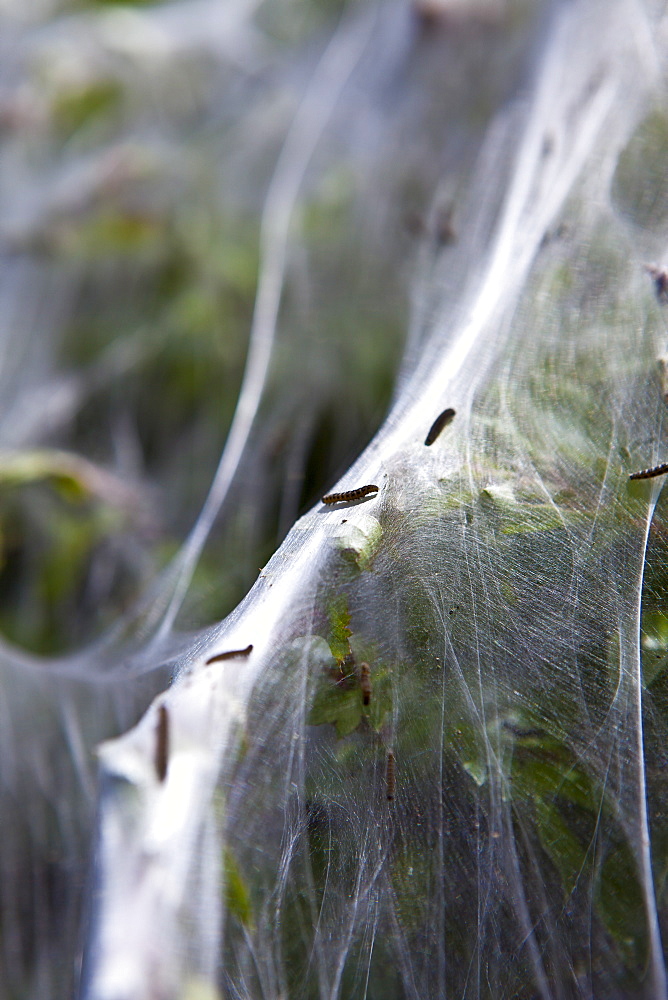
361 491
365 683
390 776
442 420
231 655
161 758
524 732
657 470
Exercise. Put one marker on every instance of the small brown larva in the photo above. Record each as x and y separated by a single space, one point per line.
657 470
232 654
361 491
365 683
390 776
161 757
442 420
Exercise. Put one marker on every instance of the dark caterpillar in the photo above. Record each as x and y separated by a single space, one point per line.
658 470
390 776
442 420
161 758
361 491
365 683
231 655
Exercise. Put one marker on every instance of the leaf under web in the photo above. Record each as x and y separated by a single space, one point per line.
339 629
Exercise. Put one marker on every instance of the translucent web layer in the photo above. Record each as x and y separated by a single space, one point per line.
479 812
425 756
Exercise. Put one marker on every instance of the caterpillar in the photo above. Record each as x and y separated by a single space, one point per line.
232 654
442 420
365 683
390 776
523 732
658 470
361 491
161 758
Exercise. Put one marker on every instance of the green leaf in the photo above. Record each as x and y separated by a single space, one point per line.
381 698
560 844
339 706
547 771
79 105
477 770
66 471
359 541
339 631
654 644
237 898
517 516
620 904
